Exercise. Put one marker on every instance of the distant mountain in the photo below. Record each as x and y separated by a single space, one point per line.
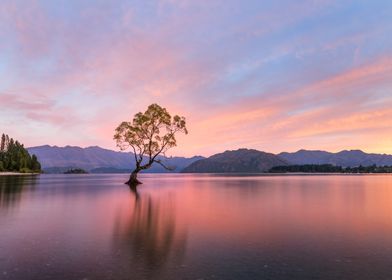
239 161
98 160
344 158
106 170
95 159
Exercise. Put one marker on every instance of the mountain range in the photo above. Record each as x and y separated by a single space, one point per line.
94 159
98 160
344 158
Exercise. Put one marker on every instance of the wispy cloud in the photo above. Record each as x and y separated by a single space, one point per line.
268 75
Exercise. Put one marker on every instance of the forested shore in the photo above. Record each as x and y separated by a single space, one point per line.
15 158
329 168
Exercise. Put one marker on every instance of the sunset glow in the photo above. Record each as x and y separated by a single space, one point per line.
269 75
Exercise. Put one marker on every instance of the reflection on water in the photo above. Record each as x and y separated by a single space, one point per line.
147 238
196 227
11 188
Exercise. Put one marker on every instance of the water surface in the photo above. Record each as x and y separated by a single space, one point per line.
196 227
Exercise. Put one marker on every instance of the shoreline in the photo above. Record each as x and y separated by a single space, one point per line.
16 173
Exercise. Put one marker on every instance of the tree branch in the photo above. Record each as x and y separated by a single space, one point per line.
164 166
134 154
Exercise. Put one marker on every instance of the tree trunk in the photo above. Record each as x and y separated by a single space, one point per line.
133 181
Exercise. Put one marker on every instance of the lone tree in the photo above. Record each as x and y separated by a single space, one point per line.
149 134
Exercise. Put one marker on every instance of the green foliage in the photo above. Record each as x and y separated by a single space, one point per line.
14 157
307 168
369 169
24 170
329 168
149 134
35 165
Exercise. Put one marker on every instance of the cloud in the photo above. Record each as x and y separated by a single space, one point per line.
266 75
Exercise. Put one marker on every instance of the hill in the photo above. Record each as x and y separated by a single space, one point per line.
95 159
239 161
344 158
98 160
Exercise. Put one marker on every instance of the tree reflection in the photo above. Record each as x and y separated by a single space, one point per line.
147 238
12 187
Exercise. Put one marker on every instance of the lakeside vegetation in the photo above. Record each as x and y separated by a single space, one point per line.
329 168
15 158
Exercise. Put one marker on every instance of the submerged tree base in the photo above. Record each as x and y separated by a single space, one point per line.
133 181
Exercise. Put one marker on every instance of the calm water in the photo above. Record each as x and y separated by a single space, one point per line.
196 227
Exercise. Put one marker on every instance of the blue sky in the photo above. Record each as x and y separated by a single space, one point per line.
270 75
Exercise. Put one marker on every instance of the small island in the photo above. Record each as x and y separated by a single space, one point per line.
76 171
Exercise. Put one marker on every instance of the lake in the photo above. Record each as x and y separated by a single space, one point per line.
196 227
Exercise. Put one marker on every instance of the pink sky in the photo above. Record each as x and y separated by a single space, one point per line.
273 75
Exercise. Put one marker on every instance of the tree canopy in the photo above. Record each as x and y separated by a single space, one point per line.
149 134
14 157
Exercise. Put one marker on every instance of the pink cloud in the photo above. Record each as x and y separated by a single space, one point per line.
269 122
119 73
